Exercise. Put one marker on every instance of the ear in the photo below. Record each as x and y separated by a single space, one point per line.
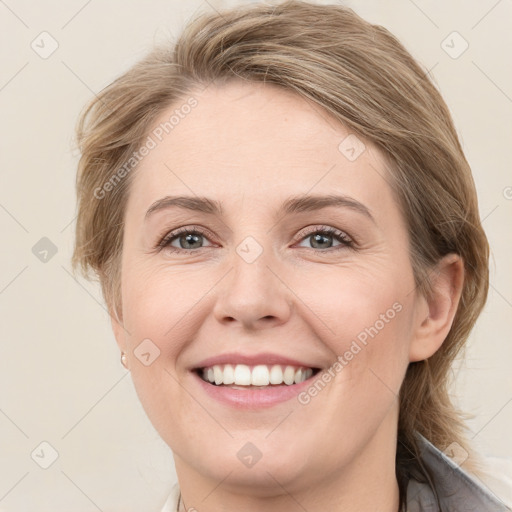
435 314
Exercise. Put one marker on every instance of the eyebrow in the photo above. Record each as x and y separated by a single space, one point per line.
296 204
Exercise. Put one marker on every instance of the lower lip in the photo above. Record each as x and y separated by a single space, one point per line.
251 398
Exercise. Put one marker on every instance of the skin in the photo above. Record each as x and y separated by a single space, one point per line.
250 147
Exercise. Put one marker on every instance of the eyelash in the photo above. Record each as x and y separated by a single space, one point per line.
340 236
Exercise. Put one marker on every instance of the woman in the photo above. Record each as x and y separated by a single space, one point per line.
287 236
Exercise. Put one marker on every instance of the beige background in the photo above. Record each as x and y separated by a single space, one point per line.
60 377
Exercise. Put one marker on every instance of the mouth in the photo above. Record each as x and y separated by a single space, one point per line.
257 377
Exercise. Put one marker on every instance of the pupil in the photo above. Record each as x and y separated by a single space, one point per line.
189 239
319 239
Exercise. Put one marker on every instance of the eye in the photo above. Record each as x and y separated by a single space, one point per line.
183 239
192 238
323 237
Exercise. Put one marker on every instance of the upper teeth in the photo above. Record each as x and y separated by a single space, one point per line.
260 375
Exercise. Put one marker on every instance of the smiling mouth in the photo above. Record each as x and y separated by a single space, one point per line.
241 376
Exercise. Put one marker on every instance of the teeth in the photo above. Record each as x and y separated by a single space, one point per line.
289 375
218 375
260 375
229 374
276 374
242 375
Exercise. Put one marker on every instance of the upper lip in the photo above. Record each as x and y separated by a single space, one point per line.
266 358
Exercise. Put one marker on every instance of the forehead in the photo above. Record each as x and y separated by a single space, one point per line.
258 142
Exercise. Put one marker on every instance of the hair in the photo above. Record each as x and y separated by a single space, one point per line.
356 72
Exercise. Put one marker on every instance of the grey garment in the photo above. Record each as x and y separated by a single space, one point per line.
456 490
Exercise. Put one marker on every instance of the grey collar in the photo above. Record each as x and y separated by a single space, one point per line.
455 489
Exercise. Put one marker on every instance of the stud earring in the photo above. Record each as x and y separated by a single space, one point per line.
124 359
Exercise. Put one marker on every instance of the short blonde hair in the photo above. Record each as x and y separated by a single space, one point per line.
360 74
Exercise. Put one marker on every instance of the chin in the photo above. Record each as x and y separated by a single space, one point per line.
259 465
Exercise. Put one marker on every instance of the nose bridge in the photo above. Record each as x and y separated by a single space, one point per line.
251 291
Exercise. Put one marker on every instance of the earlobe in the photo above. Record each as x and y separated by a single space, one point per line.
436 312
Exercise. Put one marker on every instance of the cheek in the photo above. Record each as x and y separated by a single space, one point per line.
159 303
166 306
369 328
362 306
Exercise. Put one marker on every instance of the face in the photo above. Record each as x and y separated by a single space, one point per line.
279 274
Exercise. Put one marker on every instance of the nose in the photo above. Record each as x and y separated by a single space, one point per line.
254 294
